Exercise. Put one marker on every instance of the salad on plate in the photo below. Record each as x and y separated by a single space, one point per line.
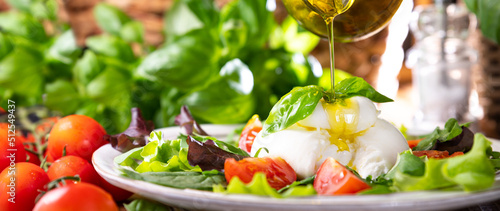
313 142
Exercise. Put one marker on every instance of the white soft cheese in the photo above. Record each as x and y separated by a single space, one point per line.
371 147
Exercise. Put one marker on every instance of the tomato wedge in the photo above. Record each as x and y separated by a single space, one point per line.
253 126
436 154
333 178
278 172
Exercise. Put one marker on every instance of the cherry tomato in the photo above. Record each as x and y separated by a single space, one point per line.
77 197
278 172
10 154
414 143
22 186
436 154
253 126
333 178
80 134
117 193
71 166
43 128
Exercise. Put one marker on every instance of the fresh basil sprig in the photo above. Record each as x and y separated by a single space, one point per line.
301 102
356 86
292 107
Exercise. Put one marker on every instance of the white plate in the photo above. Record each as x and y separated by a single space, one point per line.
205 200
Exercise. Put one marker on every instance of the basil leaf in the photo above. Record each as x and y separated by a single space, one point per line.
227 99
110 18
488 13
62 96
356 86
179 179
111 87
23 25
111 46
21 5
5 45
87 68
291 108
296 39
132 32
188 63
257 19
144 204
21 71
65 49
186 16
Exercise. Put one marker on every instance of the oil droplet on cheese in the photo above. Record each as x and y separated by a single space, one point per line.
343 119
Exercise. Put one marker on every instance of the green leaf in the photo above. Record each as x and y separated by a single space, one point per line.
186 16
112 47
260 186
487 12
65 49
44 9
226 100
472 171
472 5
61 96
132 32
144 204
451 130
291 108
21 5
189 63
111 87
258 20
110 18
87 68
326 82
5 45
22 72
356 86
179 179
297 39
23 25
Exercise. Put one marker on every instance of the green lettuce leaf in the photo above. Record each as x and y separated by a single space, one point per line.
471 172
260 186
158 156
144 204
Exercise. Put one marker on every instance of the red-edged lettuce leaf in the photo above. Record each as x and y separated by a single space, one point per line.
134 136
186 121
208 155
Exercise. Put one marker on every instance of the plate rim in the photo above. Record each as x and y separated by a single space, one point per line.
198 199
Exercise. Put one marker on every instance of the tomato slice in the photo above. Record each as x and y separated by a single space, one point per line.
436 154
253 126
278 172
333 178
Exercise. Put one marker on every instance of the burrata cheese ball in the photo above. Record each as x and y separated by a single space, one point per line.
349 131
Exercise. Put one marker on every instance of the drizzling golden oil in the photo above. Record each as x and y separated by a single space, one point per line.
343 119
328 10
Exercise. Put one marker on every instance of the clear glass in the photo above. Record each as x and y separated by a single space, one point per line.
441 63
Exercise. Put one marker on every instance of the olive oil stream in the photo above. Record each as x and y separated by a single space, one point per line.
328 10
